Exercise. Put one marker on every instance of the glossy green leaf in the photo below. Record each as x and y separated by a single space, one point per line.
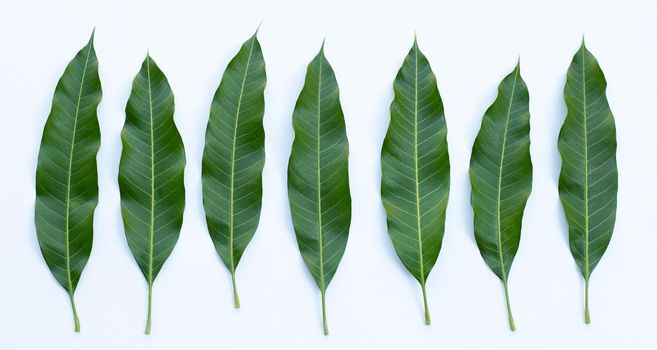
234 156
318 180
66 176
415 169
501 177
588 183
151 174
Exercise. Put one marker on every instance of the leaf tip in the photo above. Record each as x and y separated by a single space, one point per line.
583 46
258 28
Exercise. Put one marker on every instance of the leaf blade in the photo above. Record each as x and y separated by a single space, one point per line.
588 196
318 180
151 183
416 218
241 151
66 196
501 177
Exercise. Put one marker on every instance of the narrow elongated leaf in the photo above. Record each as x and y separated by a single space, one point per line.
234 156
415 169
66 176
501 177
588 183
151 174
318 179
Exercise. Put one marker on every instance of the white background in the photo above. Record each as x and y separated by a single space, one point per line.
373 303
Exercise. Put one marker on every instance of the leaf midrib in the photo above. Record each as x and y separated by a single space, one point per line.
232 162
417 170
69 174
322 284
586 173
151 243
499 180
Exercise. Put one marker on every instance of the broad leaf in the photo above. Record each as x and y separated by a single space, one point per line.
234 156
66 176
318 180
151 174
501 177
588 183
415 169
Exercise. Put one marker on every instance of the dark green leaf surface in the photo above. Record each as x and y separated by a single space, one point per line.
151 174
501 177
66 176
318 180
234 156
588 183
415 169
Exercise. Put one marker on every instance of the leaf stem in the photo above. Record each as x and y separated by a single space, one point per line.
150 304
235 295
512 323
427 316
324 321
587 315
75 313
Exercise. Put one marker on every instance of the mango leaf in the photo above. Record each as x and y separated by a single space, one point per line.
588 183
234 156
151 174
415 169
66 176
501 177
318 179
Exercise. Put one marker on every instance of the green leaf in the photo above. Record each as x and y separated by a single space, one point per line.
234 156
415 169
66 176
151 174
501 177
318 179
588 183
